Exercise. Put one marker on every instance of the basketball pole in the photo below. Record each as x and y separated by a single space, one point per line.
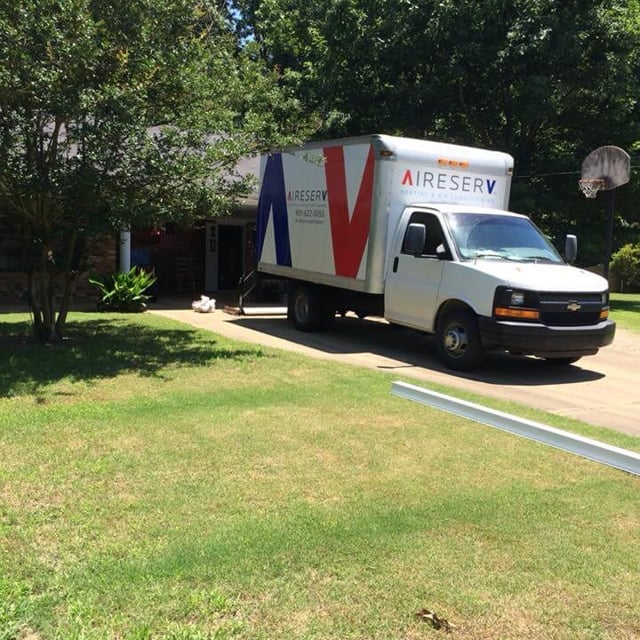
609 238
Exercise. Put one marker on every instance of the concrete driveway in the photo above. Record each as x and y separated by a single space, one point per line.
603 390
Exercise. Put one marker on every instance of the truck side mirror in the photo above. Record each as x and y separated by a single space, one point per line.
415 239
570 248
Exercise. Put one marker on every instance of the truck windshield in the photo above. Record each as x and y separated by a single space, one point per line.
502 237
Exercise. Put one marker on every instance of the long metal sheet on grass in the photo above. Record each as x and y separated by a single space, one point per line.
593 449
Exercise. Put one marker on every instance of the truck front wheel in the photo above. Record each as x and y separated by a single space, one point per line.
459 345
309 309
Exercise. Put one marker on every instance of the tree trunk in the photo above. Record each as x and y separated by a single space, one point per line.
41 302
41 298
51 289
69 289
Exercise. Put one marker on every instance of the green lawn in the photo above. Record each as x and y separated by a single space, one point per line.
161 482
625 310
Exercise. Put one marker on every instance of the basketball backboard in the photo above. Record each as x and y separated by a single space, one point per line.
605 168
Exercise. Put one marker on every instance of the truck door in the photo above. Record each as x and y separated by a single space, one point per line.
413 278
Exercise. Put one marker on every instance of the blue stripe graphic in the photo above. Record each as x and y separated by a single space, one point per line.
273 197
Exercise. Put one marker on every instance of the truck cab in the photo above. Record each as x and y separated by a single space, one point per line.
485 279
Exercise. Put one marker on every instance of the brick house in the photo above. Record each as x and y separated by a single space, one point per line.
211 257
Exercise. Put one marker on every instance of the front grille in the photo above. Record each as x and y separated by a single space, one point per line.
570 309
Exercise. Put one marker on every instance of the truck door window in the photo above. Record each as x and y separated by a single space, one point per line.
434 235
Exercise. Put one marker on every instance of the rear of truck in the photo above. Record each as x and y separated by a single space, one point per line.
322 226
317 217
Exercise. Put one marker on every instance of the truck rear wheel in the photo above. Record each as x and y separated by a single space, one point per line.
459 345
310 309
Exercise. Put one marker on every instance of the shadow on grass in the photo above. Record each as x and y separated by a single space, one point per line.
626 305
97 349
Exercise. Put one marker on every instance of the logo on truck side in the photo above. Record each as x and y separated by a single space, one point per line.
272 199
307 195
349 237
448 182
349 233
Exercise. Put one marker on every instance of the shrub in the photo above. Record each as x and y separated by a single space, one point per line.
626 263
124 291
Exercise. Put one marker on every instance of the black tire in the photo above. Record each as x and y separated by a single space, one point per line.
310 309
458 340
561 362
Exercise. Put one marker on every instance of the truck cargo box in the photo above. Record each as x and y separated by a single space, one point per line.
327 211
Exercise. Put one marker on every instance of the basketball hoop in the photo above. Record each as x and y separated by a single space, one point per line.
591 186
605 168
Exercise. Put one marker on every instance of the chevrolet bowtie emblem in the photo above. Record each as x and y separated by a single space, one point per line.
574 306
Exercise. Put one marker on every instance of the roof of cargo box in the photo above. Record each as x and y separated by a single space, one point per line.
443 154
424 151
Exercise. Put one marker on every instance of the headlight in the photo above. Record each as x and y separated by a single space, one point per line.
515 305
517 298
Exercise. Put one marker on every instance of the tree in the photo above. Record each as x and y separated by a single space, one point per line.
626 263
114 113
546 81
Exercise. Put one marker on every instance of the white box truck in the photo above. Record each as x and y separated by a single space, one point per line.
418 232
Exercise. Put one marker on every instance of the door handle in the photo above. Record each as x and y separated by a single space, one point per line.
395 265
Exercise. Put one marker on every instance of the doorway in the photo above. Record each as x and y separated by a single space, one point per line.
230 256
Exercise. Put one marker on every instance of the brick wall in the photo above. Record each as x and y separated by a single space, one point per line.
102 259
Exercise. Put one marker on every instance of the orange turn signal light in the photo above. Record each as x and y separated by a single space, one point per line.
462 164
521 314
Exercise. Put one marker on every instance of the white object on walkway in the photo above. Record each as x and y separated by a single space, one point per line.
204 305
